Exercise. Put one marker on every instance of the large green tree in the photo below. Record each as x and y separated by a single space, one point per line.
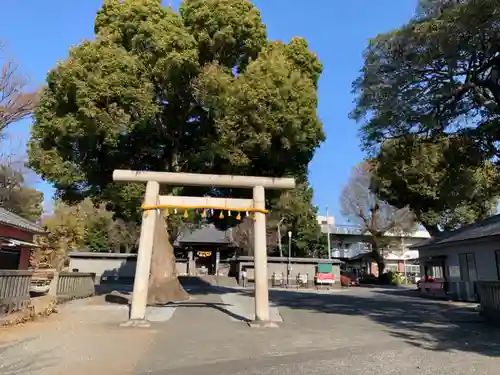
438 72
202 90
445 180
435 78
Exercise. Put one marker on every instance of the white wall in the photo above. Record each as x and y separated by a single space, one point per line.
323 220
100 266
113 267
484 256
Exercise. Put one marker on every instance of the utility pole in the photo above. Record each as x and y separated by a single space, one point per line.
328 234
289 268
279 237
404 256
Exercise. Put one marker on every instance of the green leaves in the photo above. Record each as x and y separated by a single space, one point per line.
428 100
228 31
446 181
87 226
265 116
200 91
298 213
430 75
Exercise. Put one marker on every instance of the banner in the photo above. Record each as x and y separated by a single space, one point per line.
325 276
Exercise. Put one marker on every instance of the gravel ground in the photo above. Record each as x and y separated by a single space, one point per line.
360 330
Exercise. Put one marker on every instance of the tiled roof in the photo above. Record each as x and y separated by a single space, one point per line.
485 228
9 218
207 234
11 242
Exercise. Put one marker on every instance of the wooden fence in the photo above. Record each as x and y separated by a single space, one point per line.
72 285
489 298
14 290
15 286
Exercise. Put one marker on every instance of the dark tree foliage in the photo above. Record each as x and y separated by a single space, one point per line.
431 87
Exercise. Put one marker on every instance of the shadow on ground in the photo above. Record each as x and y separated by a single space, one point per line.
217 306
44 360
427 324
122 293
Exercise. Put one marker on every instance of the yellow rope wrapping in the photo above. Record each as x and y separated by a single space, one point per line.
166 206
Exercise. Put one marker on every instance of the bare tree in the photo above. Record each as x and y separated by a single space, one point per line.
374 216
16 100
16 103
242 236
124 236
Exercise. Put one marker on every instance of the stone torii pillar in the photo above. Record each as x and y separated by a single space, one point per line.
152 198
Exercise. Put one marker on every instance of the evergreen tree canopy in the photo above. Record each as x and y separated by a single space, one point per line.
202 90
428 100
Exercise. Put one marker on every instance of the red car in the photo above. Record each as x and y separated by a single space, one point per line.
348 278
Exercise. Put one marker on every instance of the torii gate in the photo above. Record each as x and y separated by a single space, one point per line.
153 200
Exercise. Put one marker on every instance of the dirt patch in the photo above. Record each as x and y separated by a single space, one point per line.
39 307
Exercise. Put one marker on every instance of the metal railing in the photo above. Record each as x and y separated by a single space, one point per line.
489 298
75 285
14 290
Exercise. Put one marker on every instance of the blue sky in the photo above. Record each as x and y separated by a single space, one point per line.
40 32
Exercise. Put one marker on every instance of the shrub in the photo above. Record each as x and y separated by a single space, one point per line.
386 278
391 278
369 279
397 279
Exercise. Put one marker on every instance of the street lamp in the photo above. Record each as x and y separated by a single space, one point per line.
289 245
328 234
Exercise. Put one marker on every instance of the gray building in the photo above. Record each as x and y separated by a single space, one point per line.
350 244
452 262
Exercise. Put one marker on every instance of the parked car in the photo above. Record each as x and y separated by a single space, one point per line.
350 278
40 281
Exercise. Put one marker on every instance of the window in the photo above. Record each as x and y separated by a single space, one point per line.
437 272
467 264
413 269
392 267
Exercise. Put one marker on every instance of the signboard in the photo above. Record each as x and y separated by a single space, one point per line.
325 268
204 254
325 278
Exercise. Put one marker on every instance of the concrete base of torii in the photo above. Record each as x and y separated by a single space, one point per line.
136 323
262 324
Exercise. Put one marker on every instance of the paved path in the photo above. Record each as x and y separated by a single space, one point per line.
358 331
